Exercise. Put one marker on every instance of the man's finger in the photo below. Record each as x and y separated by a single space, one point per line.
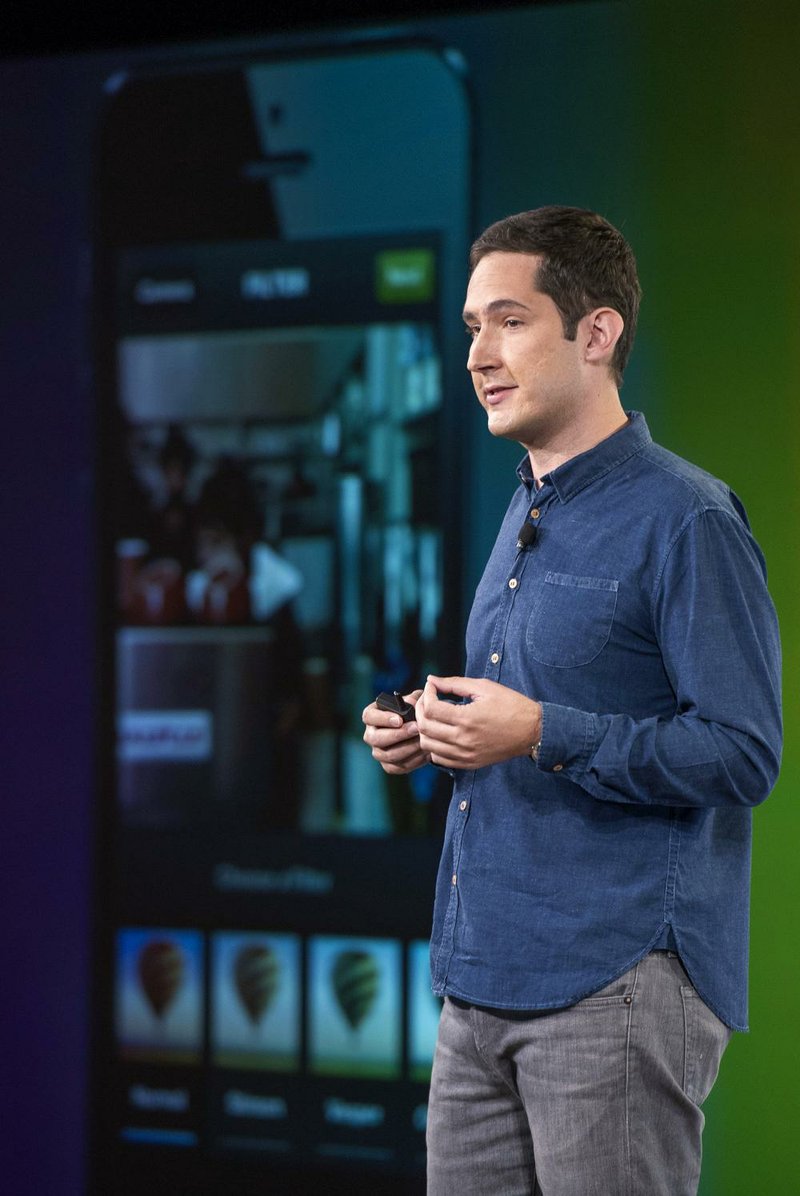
436 712
373 716
462 687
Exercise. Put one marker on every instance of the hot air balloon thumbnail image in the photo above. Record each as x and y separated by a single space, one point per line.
354 1008
424 1010
256 1000
159 994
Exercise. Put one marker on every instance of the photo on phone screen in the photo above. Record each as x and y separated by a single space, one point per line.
280 254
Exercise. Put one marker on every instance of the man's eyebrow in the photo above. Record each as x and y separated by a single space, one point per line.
495 306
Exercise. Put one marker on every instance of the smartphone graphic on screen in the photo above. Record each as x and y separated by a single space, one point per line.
280 259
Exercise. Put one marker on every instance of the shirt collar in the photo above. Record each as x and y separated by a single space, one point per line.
580 471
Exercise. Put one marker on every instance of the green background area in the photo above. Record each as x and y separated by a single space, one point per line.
717 143
680 123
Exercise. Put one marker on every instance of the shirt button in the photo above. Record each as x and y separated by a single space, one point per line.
557 767
512 585
462 806
535 513
494 657
454 878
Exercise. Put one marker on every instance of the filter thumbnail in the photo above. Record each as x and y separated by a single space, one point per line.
159 994
424 1010
355 1002
256 1000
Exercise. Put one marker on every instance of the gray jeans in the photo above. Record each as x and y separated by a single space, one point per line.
600 1099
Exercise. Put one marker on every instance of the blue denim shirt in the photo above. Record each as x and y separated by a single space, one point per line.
640 618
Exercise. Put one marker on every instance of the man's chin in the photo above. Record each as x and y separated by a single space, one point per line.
500 427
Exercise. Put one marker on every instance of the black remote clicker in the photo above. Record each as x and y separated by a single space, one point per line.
396 704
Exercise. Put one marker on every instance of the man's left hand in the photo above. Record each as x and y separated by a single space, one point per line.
492 724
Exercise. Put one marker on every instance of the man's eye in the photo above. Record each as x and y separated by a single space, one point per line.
512 323
472 330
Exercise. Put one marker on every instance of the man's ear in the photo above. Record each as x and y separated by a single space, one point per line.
603 330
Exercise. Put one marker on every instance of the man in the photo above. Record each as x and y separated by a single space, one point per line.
619 719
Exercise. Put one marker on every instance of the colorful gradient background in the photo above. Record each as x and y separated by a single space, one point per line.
680 123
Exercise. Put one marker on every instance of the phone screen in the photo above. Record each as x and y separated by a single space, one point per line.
277 502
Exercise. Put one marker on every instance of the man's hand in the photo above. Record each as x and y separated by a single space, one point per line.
494 724
395 744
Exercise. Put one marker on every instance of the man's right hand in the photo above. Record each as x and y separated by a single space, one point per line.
394 744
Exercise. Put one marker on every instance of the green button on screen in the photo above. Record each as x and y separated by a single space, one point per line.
404 276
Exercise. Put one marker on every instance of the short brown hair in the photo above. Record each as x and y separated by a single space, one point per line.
586 263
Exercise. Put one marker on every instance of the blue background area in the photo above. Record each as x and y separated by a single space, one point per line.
601 104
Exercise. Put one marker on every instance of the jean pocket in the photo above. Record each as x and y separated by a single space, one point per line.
571 618
705 1040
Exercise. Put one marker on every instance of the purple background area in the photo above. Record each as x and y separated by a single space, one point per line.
46 678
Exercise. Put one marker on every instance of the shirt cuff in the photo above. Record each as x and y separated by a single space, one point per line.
568 740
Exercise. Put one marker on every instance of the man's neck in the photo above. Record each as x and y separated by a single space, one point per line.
610 418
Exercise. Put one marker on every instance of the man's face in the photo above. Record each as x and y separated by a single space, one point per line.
528 378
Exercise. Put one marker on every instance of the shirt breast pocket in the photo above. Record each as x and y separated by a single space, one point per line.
570 622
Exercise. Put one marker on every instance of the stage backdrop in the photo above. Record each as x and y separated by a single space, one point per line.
680 123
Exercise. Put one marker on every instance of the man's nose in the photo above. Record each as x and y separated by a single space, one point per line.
483 351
